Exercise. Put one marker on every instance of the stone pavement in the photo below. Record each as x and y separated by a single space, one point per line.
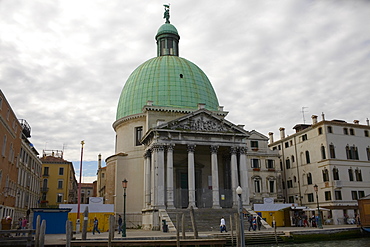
132 234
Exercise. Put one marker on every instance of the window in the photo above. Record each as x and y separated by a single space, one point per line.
292 158
352 152
320 131
350 174
352 132
330 129
60 197
335 173
272 186
304 137
61 170
289 184
4 146
345 131
358 175
327 196
286 144
361 194
254 144
338 195
368 153
138 135
308 161
310 197
279 147
257 185
255 163
287 163
309 178
270 164
291 199
325 175
60 184
44 184
332 151
323 155
366 133
354 195
46 171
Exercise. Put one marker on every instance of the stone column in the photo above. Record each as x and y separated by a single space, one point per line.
170 199
244 176
153 188
191 176
234 175
215 183
159 180
147 181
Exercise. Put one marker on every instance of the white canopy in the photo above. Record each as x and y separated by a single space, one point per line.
315 209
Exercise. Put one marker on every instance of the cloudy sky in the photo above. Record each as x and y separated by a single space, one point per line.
63 63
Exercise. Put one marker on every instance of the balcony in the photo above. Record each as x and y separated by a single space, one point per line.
44 189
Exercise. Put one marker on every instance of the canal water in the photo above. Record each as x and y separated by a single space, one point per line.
357 242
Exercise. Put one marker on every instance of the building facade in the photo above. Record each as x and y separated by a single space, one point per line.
10 146
59 184
29 175
334 155
175 147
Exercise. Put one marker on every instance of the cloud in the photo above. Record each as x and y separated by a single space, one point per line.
64 63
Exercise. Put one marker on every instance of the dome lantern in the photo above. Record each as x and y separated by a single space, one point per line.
167 37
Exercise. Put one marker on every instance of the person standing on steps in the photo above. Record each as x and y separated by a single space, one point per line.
250 220
259 223
119 224
223 225
96 226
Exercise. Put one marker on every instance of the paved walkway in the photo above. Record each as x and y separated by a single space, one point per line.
133 234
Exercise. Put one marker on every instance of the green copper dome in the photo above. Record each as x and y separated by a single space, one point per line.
167 81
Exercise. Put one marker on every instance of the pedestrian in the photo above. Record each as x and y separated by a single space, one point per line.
24 224
96 226
250 220
119 224
259 222
19 226
313 221
223 225
254 222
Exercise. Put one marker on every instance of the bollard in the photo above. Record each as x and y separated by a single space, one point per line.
37 234
86 220
68 233
42 233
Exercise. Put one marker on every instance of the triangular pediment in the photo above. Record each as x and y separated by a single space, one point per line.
203 121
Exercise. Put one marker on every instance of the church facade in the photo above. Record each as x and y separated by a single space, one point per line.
175 147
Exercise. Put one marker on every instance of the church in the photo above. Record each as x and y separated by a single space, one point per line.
175 147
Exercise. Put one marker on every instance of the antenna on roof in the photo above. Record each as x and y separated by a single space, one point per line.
303 111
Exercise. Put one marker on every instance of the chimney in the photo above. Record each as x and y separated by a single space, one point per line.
201 106
282 133
149 103
323 116
356 121
99 161
367 121
271 135
314 119
220 108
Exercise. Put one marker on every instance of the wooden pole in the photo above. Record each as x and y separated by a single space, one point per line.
68 233
232 231
177 230
37 234
86 219
193 223
42 233
111 229
237 229
183 225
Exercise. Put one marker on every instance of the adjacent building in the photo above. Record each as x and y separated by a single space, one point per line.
175 146
334 155
10 146
59 184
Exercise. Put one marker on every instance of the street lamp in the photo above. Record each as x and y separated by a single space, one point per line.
319 223
239 191
78 224
124 186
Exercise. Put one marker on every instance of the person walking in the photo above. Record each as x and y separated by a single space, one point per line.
250 220
24 224
96 226
259 223
119 224
223 225
254 223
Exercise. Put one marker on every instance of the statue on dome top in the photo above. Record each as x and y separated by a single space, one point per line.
166 13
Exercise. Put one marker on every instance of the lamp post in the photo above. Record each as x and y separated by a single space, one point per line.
124 186
319 223
239 191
